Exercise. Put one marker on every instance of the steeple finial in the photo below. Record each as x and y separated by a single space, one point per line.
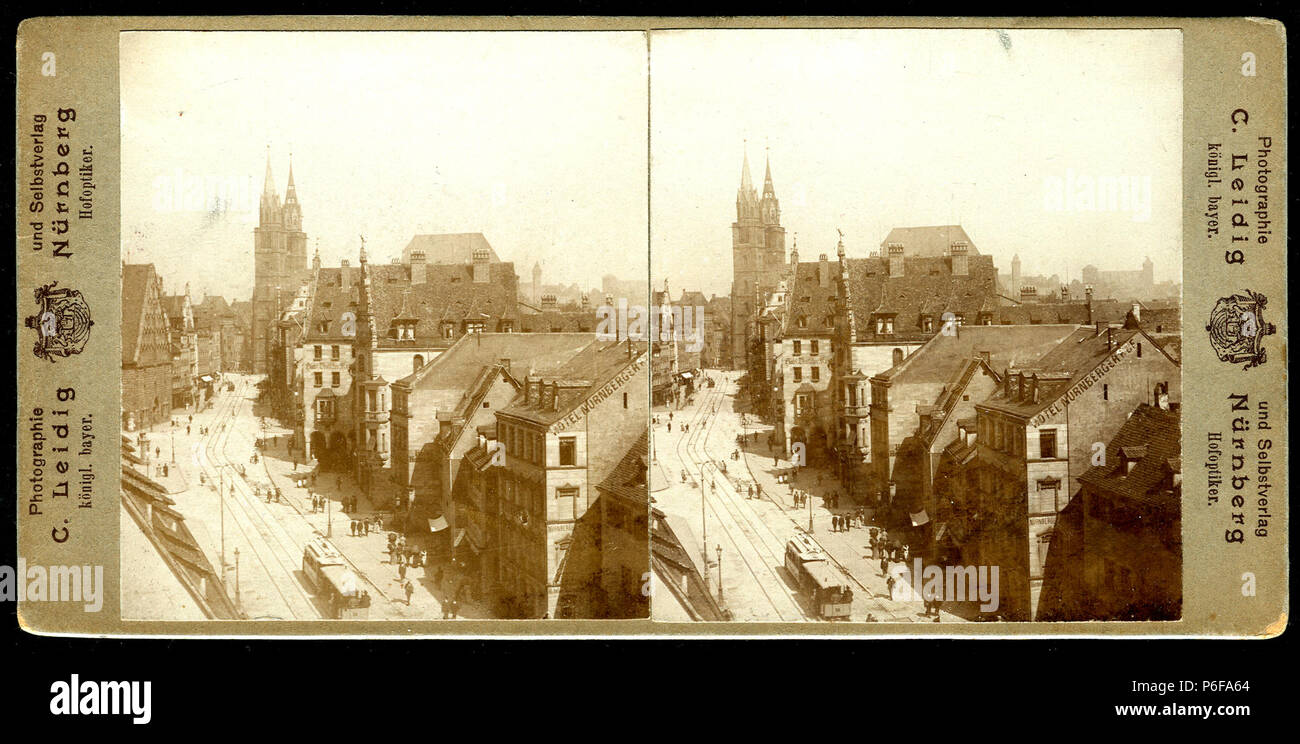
363 249
290 189
768 188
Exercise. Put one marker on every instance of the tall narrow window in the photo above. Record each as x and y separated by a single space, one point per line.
568 451
1047 444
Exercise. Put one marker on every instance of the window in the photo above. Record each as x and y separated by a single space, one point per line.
1105 392
1047 444
816 373
814 349
334 379
316 353
317 377
334 352
475 327
1139 351
568 451
803 322
927 323
567 502
798 348
798 374
625 400
898 357
417 362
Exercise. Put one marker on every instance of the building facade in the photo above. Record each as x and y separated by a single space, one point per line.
146 349
279 263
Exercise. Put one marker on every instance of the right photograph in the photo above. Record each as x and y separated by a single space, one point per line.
919 302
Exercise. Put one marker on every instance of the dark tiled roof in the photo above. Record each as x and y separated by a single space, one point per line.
139 283
929 242
1152 436
330 300
449 294
557 321
926 287
810 301
628 478
449 248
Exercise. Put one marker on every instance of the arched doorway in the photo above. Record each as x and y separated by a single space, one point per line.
317 445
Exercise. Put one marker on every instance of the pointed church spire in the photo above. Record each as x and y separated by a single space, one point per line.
768 188
746 183
268 187
289 191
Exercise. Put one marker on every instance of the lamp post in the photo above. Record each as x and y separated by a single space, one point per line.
237 578
719 573
810 514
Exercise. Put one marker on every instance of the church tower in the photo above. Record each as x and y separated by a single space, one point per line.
757 256
279 261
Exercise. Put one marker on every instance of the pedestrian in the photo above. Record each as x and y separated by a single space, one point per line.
187 430
890 583
409 591
884 565
401 570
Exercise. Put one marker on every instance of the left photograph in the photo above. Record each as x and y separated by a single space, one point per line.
367 371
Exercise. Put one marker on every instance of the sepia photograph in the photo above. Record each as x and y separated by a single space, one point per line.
362 370
937 277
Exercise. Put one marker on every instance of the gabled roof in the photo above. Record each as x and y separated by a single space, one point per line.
929 242
458 367
628 479
449 248
1152 437
580 377
140 296
1077 355
1008 346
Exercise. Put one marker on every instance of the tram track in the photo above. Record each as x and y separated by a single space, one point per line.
767 575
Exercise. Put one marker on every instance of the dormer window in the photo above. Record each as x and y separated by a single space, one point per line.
404 329
448 330
802 321
927 323
884 324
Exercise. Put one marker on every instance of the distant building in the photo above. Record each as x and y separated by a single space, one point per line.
146 349
280 263
758 263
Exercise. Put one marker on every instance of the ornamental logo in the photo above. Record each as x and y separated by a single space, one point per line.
1237 329
62 322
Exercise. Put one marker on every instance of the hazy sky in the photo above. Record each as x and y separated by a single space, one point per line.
870 130
537 140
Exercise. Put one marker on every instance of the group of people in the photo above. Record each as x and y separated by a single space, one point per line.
317 503
362 527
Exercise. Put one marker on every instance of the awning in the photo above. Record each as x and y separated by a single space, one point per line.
206 378
438 525
920 518
687 375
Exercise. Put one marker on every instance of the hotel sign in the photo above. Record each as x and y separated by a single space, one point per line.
600 395
1084 384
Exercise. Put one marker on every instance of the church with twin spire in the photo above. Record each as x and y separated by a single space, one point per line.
279 261
758 257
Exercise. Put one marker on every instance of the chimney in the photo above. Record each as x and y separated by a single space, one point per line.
532 386
987 356
960 252
1006 383
895 252
345 274
1110 338
1101 326
1137 311
1033 387
504 362
1028 294
482 267
1020 386
824 270
419 269
1087 296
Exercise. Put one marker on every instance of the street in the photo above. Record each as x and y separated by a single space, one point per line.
753 533
262 541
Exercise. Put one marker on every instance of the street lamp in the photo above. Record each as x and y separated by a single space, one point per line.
810 514
237 578
719 573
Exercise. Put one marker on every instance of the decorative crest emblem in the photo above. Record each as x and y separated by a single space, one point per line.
62 322
1237 329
